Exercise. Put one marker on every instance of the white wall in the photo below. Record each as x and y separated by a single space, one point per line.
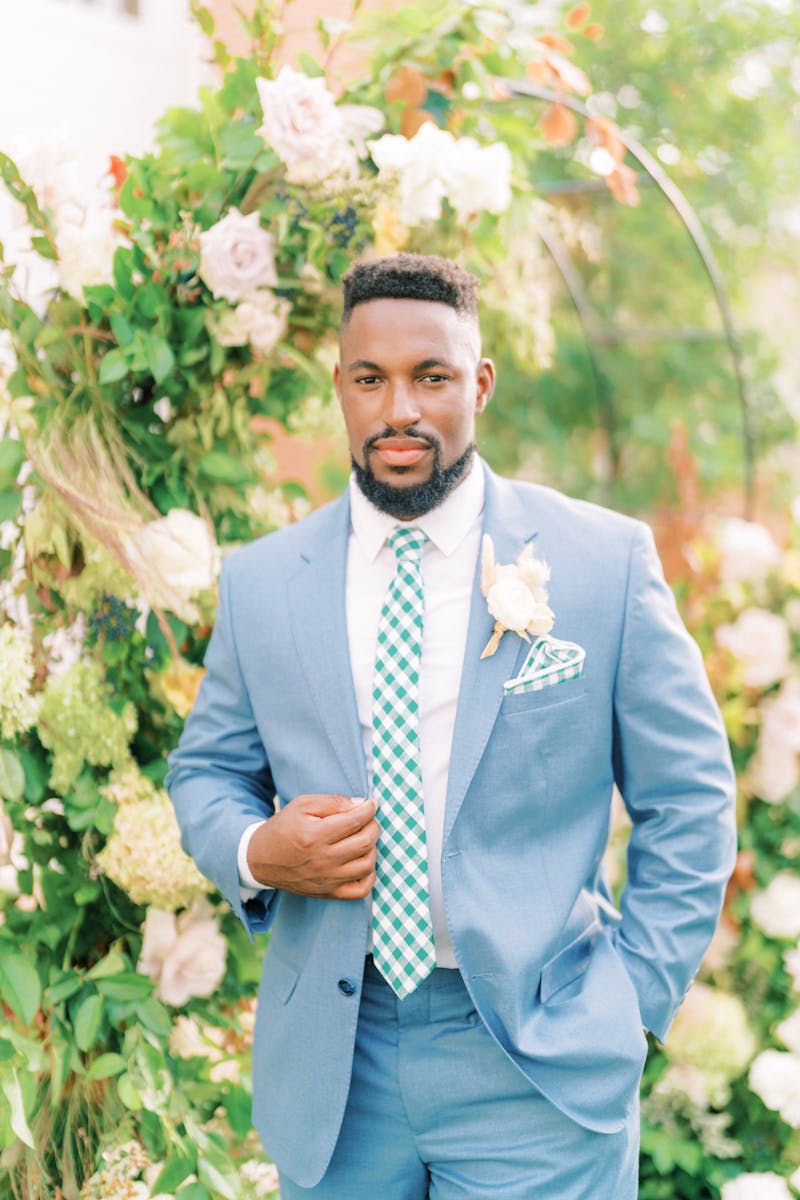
83 71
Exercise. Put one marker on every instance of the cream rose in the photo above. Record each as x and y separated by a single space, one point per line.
181 549
762 1186
86 251
263 318
479 178
749 551
789 1032
760 640
772 774
511 602
791 961
775 1077
777 909
300 119
185 956
237 256
417 168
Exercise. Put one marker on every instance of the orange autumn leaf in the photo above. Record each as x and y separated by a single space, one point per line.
408 85
559 125
554 41
414 119
594 32
579 14
603 132
621 182
499 89
445 84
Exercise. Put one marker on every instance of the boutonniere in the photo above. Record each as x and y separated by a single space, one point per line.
516 595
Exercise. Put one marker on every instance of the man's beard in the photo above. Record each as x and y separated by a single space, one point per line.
409 502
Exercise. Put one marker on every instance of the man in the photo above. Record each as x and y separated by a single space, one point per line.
451 1005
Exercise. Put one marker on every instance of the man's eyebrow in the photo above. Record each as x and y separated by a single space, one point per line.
364 364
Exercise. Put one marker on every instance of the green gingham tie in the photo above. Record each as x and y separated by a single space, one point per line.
402 933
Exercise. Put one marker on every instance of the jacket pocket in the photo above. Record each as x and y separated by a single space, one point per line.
569 963
547 697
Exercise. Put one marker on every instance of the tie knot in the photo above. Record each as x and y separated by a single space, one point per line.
407 544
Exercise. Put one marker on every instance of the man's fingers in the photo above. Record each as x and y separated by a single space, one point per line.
325 804
341 825
355 890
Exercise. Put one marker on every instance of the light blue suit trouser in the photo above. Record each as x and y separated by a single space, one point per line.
437 1111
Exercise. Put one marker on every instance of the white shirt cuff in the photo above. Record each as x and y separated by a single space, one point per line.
249 885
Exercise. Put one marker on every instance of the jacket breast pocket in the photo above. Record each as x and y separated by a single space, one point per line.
555 696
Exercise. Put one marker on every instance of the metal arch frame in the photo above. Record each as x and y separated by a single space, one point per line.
692 224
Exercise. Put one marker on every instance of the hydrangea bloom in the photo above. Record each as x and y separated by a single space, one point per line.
143 856
18 708
711 1033
77 723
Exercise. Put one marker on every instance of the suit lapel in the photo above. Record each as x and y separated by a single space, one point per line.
319 624
481 691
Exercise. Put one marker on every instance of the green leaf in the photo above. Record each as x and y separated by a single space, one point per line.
125 987
223 468
12 456
174 1171
128 1093
12 776
215 1171
122 329
19 1122
194 1191
43 246
37 775
86 1021
20 986
112 964
114 366
105 1066
160 358
205 20
309 65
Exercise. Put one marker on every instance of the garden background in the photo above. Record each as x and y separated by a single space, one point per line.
167 333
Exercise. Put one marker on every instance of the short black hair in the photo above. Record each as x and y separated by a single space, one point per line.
411 277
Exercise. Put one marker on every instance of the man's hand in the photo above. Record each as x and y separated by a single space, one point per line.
318 845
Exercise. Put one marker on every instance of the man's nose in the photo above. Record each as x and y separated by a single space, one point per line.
401 407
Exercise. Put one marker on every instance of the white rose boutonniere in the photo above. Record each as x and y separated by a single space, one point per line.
516 595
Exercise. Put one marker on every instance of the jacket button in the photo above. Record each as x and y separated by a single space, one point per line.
346 987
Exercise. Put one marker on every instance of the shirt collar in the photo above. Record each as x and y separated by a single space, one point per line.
446 526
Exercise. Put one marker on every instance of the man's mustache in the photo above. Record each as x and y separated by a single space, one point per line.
408 434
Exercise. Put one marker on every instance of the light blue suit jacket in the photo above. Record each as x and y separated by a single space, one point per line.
562 980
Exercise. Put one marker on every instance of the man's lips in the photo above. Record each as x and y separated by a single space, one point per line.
400 452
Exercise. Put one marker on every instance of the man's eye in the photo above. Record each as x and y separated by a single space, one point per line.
367 379
436 378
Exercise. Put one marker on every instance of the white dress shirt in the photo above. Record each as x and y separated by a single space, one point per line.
449 560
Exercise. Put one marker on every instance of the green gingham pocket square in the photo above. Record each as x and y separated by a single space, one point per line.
549 661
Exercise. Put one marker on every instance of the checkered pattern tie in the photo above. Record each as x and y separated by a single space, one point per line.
402 933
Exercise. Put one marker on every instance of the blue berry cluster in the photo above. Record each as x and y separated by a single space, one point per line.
343 225
112 619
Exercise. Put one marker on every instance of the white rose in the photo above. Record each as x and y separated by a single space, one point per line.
772 775
194 965
777 909
748 551
762 1186
86 251
300 118
794 508
262 317
511 602
159 930
237 256
418 168
760 640
479 178
789 1032
181 549
780 719
775 1077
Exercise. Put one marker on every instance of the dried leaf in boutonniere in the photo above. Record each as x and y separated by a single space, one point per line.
516 595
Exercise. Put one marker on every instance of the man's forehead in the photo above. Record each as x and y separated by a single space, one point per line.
427 322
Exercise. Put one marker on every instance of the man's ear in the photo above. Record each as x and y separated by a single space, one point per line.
485 378
337 381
